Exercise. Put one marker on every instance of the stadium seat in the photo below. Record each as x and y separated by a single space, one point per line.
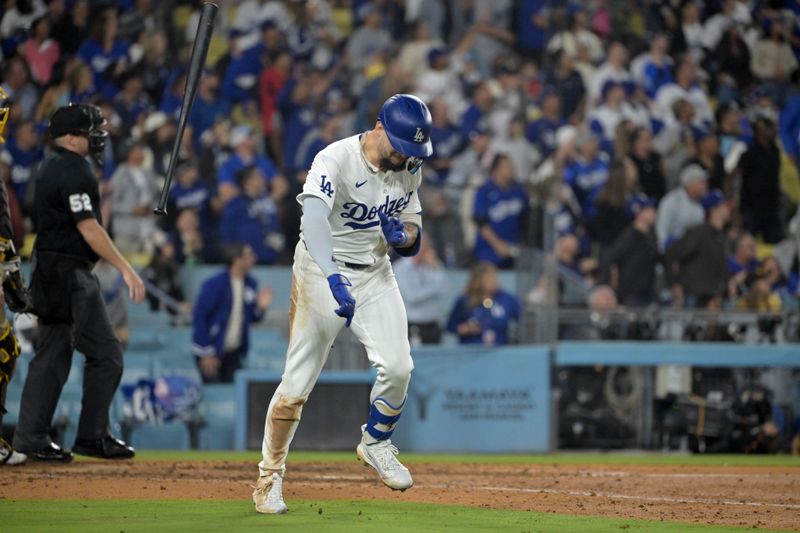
13 399
219 410
67 414
75 378
169 436
137 366
21 369
176 363
266 354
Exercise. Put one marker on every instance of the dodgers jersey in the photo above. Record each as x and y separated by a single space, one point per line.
355 191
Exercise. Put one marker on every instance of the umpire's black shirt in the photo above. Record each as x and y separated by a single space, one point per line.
66 193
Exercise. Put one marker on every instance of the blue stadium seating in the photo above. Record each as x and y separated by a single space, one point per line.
176 364
169 436
218 412
137 366
13 397
266 353
68 413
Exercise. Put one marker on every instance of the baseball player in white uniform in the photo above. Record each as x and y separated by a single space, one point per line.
359 199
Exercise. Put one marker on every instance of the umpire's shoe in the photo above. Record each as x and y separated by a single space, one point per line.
106 447
382 457
52 452
268 495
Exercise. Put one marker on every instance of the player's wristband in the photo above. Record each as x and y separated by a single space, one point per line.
410 251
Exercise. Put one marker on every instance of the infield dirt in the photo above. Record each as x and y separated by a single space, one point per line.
750 496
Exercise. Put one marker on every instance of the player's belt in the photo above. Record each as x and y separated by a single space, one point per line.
354 266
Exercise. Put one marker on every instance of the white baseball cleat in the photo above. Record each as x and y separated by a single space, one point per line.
9 456
382 457
268 495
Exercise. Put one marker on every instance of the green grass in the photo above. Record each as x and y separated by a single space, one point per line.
331 516
611 458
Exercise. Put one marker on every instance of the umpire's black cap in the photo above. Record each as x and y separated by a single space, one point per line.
75 119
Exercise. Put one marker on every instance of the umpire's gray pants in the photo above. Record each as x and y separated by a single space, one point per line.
91 334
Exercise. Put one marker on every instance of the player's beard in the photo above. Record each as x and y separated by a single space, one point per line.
386 165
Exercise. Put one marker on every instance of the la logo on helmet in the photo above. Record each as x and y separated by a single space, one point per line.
419 136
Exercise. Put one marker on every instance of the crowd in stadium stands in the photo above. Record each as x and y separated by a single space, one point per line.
661 136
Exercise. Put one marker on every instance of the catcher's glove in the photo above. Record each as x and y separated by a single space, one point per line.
9 351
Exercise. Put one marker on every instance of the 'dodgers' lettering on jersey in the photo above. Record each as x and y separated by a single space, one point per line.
359 212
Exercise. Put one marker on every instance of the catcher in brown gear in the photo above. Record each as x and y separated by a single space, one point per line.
15 294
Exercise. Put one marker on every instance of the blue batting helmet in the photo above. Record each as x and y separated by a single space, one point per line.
407 123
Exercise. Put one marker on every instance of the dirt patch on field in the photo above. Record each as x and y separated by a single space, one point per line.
742 496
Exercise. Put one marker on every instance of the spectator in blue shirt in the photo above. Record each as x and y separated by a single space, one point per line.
605 119
252 218
190 192
789 125
587 173
327 131
227 304
241 75
475 115
172 96
207 107
653 69
132 100
104 52
542 131
81 85
534 29
447 142
24 153
500 208
244 144
484 313
296 102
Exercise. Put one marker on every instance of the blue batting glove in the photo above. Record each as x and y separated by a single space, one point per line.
347 304
393 230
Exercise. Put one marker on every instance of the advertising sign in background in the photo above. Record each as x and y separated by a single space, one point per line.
477 400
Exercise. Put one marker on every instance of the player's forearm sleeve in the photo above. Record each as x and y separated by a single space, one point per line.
317 233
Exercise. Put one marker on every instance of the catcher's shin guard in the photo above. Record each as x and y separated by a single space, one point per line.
9 351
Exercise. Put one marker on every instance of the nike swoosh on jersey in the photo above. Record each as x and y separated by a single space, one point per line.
360 184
